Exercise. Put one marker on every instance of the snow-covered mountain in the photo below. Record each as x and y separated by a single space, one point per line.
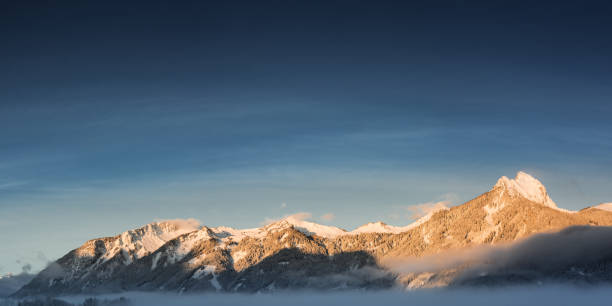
294 253
311 228
135 244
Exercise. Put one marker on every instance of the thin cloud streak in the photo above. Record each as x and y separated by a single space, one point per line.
328 217
11 185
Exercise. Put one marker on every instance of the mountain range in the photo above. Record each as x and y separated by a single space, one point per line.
494 238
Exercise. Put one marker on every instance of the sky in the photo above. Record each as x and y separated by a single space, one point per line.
114 115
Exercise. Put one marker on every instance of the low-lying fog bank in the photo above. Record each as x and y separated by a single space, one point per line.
535 295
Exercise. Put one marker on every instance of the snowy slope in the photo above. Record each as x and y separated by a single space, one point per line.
604 206
140 242
306 227
223 232
380 227
376 227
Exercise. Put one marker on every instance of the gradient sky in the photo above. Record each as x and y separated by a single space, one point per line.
113 115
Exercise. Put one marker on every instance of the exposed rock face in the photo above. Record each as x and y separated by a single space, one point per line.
295 254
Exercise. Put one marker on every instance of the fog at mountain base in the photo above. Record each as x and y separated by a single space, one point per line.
531 295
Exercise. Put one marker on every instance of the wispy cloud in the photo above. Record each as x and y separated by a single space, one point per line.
416 211
420 210
328 217
11 185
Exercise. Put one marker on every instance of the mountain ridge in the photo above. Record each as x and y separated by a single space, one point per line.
294 253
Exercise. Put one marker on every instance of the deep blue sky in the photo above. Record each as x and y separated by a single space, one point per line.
113 115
